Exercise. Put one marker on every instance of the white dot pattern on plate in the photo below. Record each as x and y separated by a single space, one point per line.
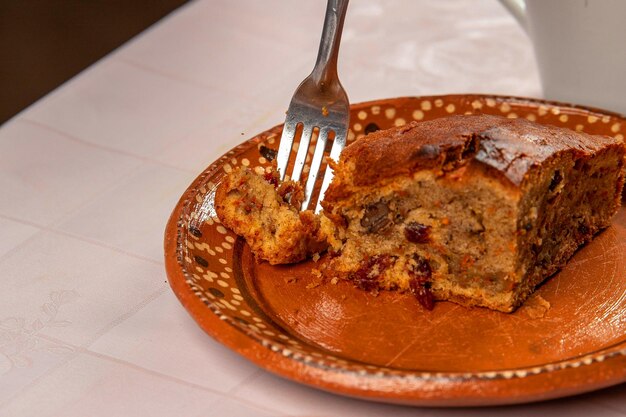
399 122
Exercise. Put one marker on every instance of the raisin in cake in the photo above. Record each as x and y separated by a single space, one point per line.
474 209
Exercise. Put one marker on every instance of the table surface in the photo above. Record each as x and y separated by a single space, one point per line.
90 173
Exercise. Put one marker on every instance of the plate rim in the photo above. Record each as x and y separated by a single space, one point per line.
512 386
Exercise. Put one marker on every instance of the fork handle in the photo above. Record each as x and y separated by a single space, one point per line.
325 71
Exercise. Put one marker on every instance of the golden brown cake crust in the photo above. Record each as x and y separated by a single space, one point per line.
509 146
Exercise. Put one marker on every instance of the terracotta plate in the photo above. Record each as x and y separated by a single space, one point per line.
387 348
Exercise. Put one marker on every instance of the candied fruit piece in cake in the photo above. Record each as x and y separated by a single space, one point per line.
266 214
474 209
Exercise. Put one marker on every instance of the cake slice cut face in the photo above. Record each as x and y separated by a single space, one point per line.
478 210
474 209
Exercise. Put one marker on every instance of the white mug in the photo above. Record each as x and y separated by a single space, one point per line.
580 47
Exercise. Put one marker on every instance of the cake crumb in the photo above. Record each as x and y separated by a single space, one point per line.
334 280
318 275
536 307
312 285
316 257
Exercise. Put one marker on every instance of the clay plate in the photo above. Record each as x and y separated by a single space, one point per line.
387 347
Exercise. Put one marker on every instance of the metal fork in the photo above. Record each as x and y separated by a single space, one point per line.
319 101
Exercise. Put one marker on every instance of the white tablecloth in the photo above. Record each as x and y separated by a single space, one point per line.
90 173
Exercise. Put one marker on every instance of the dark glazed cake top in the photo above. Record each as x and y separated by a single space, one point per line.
510 146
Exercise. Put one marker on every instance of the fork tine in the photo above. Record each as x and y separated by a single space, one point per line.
338 145
319 101
315 166
284 150
303 149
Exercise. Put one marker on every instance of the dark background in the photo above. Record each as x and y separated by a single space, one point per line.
46 42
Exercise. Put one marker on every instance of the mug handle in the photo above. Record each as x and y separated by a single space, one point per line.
518 9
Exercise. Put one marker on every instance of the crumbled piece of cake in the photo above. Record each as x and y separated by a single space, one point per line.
266 214
473 209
